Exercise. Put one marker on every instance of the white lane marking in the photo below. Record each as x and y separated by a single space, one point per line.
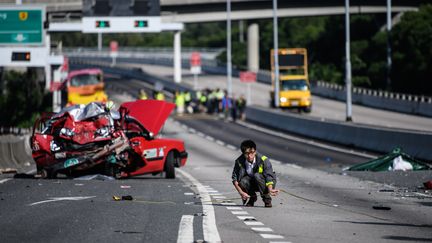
310 142
54 199
220 142
192 130
253 223
246 217
211 190
239 212
280 242
210 231
4 180
228 204
219 197
231 147
215 194
262 229
234 208
183 126
200 134
209 138
271 236
189 193
185 233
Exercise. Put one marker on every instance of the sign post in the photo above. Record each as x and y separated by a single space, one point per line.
195 67
248 77
113 52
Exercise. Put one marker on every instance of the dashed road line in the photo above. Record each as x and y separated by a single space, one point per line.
271 236
239 212
262 229
231 147
185 232
253 223
234 208
4 180
210 231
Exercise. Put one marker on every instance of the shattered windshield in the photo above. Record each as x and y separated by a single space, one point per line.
82 112
299 84
85 79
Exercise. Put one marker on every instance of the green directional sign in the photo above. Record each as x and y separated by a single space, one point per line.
21 26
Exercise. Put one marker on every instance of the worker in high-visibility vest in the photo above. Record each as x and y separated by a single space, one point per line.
143 95
160 95
180 102
253 172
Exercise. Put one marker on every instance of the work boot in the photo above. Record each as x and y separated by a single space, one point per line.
267 204
251 201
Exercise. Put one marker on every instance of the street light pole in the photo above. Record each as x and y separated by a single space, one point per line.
389 50
276 54
348 63
229 62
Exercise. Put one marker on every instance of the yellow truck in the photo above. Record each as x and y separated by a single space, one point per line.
294 86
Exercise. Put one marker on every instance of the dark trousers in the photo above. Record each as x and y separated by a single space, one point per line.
255 184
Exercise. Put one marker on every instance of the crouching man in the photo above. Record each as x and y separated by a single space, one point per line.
253 173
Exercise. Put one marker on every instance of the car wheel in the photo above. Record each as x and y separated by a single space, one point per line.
47 174
112 170
307 109
169 166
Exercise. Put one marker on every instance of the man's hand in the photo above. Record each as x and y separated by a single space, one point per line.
273 192
244 195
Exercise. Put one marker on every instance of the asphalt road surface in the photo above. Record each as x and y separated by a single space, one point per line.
201 204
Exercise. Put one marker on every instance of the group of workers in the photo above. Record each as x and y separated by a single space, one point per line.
209 101
157 95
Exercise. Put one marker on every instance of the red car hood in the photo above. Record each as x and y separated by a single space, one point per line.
152 114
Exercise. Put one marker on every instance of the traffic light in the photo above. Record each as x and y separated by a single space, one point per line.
102 24
140 23
21 56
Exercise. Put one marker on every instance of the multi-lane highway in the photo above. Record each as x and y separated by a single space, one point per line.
318 202
202 205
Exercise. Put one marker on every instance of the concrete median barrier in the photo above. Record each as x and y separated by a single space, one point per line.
417 144
15 153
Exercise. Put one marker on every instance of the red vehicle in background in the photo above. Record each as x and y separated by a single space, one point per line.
93 139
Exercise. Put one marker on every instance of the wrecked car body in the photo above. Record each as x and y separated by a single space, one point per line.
93 139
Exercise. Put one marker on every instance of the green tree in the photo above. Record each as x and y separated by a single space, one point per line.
23 98
412 58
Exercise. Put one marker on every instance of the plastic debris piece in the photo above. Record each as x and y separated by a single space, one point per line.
395 160
95 177
116 198
380 207
127 198
24 176
125 186
8 171
428 184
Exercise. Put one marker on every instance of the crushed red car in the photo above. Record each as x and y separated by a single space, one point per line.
90 139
